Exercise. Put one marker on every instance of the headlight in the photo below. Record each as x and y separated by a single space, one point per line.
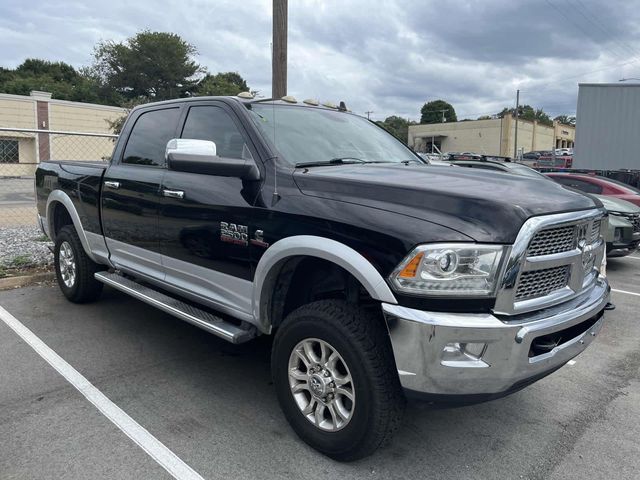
451 269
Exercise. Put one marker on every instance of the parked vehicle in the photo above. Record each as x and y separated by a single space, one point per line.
535 154
502 166
558 161
598 185
379 276
622 235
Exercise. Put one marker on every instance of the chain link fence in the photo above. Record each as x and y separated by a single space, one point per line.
20 152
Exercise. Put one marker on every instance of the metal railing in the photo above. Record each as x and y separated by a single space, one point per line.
22 149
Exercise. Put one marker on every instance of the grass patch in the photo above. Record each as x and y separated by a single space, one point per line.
21 261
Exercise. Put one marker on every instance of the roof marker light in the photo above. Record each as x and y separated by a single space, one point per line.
245 95
289 99
329 105
311 101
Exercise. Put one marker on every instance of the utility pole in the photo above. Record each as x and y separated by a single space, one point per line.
369 112
279 53
515 138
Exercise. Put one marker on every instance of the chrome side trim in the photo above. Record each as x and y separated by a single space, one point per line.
135 259
506 303
63 198
308 245
98 247
226 292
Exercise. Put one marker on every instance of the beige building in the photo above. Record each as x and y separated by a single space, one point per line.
21 151
494 136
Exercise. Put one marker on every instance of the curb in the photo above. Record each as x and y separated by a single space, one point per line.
25 280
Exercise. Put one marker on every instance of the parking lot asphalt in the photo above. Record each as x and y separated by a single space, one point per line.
214 406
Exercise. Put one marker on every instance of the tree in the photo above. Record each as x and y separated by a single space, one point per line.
527 112
566 119
227 83
431 112
485 117
397 126
60 79
149 65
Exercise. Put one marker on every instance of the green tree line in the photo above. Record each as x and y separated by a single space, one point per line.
149 66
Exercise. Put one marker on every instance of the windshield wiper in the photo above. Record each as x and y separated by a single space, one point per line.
333 161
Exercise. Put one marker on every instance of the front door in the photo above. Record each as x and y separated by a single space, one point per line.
131 192
205 219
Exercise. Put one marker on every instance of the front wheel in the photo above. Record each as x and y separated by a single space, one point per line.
335 378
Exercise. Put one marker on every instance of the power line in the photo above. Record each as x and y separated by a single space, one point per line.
578 26
594 20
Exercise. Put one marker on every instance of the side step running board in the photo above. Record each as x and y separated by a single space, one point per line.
200 318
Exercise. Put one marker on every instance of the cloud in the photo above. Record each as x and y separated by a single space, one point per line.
387 56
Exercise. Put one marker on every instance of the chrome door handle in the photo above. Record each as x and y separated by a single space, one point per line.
111 184
173 193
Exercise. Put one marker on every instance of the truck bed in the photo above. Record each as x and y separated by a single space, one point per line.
79 181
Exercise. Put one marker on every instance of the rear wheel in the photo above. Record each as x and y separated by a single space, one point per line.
336 380
74 268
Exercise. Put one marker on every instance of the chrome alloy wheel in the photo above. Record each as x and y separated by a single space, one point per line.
67 262
321 384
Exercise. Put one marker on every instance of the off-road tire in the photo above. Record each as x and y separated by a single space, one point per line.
85 288
361 338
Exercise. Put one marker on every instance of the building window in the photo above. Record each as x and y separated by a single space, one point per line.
9 151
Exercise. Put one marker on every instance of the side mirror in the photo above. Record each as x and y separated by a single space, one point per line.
199 156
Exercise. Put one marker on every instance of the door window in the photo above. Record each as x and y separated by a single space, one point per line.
148 138
213 123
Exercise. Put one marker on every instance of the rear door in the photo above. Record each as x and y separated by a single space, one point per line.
205 219
131 192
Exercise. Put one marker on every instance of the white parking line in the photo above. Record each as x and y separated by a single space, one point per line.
624 291
632 257
132 429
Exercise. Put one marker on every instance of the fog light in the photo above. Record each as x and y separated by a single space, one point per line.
459 355
617 234
474 349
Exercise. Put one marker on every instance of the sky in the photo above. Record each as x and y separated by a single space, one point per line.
388 57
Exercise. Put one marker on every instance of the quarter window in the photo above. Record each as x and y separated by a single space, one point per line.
213 123
9 151
148 138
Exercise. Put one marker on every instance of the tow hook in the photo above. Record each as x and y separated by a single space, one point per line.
609 306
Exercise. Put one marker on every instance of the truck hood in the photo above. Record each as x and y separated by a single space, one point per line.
486 206
613 204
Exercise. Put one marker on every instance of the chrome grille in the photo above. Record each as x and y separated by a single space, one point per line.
539 283
632 218
595 231
552 240
553 259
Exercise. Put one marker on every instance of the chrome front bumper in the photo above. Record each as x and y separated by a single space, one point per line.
460 354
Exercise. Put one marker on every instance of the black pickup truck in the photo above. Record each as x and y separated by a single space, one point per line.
379 276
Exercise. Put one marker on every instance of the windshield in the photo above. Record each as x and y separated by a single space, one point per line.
309 135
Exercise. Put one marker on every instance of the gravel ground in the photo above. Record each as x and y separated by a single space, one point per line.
22 247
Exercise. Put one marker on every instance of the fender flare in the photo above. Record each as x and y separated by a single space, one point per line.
65 200
312 246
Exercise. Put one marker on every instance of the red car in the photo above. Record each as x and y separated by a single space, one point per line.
598 185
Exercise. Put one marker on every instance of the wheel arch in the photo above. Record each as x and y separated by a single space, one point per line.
59 199
280 253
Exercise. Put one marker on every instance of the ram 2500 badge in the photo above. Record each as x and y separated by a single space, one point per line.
379 276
